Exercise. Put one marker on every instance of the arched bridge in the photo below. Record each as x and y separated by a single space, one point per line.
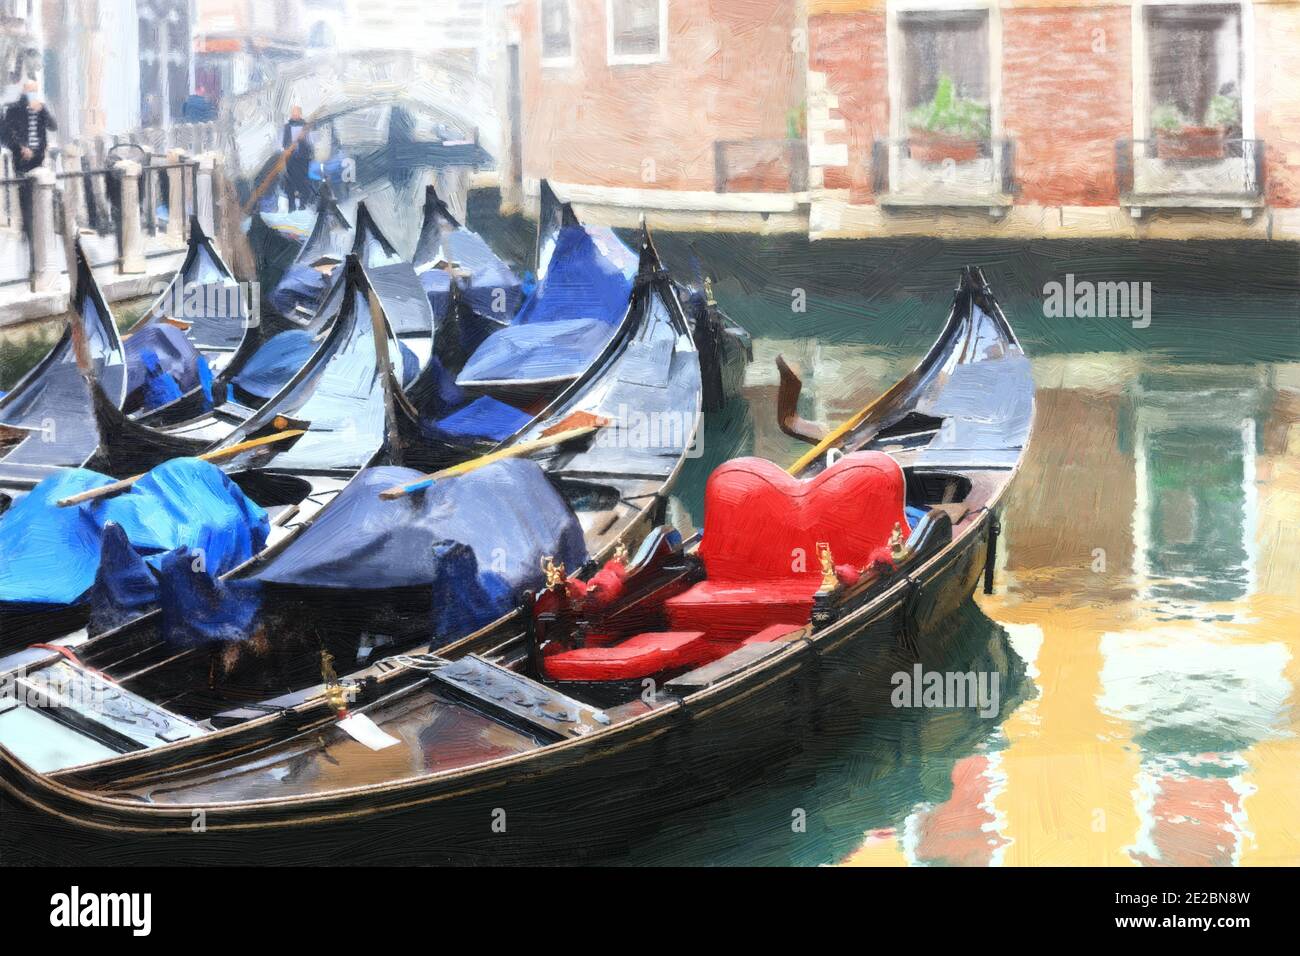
397 115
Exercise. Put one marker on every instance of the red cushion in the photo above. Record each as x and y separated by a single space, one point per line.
733 610
645 655
760 523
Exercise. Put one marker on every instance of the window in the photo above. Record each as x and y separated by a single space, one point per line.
557 32
946 71
637 30
1195 67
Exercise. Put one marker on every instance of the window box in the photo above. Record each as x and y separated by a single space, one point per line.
937 148
1190 143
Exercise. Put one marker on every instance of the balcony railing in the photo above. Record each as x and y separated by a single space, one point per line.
760 166
915 171
1205 173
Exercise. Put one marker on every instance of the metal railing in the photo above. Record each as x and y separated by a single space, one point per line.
1205 169
942 171
87 201
760 166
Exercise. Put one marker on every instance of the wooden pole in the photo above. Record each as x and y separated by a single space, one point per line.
514 451
105 490
278 168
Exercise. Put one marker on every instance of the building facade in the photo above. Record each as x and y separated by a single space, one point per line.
1020 118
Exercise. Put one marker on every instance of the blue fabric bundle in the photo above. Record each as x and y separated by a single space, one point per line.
275 362
160 362
568 318
483 418
54 557
476 541
448 413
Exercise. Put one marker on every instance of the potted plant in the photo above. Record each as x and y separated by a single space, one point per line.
948 127
1177 137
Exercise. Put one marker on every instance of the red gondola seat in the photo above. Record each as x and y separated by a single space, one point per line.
760 556
761 531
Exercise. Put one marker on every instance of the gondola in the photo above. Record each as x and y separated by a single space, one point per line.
614 491
205 305
129 445
300 291
725 346
473 293
480 751
568 314
51 407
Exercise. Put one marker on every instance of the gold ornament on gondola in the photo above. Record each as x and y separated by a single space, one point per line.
829 581
554 572
620 553
897 549
335 693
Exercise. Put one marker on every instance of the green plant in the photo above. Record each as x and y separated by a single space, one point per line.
1167 118
1223 111
950 114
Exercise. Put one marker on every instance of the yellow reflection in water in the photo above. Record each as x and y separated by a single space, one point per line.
1148 579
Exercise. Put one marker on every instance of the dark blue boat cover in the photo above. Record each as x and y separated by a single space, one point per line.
159 357
437 286
485 418
548 351
569 317
299 286
51 556
492 289
450 414
476 540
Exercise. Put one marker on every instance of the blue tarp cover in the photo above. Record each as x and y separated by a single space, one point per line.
161 348
51 556
568 318
590 277
300 285
476 540
542 352
482 418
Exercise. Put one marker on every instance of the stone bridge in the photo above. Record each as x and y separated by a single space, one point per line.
401 116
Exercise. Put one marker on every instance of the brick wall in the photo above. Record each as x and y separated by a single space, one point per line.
848 49
730 74
1067 96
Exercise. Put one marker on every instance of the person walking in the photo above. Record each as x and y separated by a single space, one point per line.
296 167
24 130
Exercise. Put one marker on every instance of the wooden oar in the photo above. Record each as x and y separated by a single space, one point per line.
278 168
523 448
829 441
105 490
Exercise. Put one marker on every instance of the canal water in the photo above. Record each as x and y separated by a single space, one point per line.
1145 629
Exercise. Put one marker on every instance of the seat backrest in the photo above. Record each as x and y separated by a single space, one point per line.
760 523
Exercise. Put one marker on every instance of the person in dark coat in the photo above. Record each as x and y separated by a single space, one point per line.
24 131
296 167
